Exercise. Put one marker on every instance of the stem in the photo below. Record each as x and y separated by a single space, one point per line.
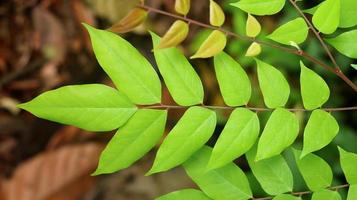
337 69
250 108
301 53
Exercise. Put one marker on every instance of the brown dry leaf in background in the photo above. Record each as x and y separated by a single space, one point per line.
45 174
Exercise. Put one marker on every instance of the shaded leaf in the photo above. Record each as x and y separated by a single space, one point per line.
319 131
140 134
316 172
348 162
273 174
175 35
182 6
238 136
281 130
131 73
286 197
92 107
213 45
254 50
326 195
233 81
274 86
314 90
180 78
354 66
252 26
184 194
293 31
216 14
133 19
327 16
226 183
190 133
260 7
345 43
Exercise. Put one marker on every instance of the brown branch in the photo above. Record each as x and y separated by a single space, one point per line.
301 53
250 108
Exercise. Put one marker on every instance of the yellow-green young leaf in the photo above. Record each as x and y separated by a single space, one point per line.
352 192
180 78
254 50
134 18
316 171
191 132
326 195
182 6
213 45
293 31
131 73
226 183
286 197
327 16
252 27
184 194
273 174
92 107
348 162
132 141
260 7
279 133
319 131
345 43
314 90
175 35
233 81
237 137
216 14
274 86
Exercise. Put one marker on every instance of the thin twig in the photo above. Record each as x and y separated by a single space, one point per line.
170 107
285 49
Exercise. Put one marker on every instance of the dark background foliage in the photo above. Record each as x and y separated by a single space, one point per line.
44 46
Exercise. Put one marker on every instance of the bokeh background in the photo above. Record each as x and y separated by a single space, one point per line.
44 46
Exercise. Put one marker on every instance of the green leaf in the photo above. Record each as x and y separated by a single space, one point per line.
319 131
326 195
140 134
131 73
226 183
348 163
281 130
180 78
274 86
184 194
92 107
260 7
314 90
348 13
352 192
316 171
273 174
354 66
286 197
293 31
237 137
327 16
345 43
192 131
233 81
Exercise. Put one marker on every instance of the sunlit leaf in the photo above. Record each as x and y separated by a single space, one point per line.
345 43
190 133
253 50
293 31
93 107
180 78
132 141
216 14
133 19
184 194
327 16
326 195
252 26
348 163
213 45
226 183
175 35
279 133
352 192
182 6
260 7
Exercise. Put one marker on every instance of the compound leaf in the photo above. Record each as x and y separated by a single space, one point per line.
314 90
226 183
326 195
180 78
260 7
93 107
190 133
233 81
131 73
319 131
184 194
348 163
274 86
132 141
293 31
238 136
327 16
281 130
345 43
